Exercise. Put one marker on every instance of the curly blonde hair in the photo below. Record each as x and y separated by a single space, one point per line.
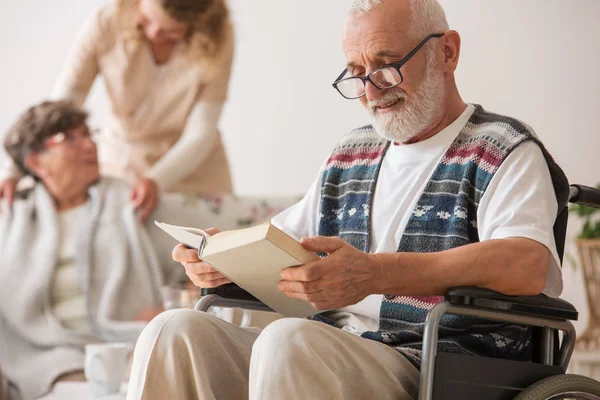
208 21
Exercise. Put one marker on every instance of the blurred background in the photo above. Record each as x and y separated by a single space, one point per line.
537 60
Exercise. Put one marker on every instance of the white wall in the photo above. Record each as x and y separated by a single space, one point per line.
538 60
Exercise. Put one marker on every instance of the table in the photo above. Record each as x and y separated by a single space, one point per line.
585 363
79 391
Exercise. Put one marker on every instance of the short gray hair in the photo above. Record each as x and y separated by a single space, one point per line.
38 123
427 17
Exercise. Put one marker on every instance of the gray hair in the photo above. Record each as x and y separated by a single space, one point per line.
427 16
38 123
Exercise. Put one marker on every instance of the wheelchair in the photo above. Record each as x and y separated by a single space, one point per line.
484 378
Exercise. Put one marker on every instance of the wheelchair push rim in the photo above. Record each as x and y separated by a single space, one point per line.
573 396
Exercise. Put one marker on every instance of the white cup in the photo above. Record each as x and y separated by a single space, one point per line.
105 365
179 297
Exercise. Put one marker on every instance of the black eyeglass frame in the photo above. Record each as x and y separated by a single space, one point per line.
396 66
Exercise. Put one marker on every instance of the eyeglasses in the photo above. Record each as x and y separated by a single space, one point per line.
386 77
72 137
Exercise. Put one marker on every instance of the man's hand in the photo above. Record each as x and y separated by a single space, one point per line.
200 273
7 191
343 278
145 197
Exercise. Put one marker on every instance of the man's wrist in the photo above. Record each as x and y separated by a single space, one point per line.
407 274
384 265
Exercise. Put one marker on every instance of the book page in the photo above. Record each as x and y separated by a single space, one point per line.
191 237
230 239
256 268
290 245
252 258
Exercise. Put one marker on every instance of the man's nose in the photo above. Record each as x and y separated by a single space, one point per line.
372 92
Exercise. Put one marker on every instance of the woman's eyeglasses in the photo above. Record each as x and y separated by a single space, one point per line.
72 137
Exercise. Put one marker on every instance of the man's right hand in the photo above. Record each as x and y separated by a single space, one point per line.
200 273
7 190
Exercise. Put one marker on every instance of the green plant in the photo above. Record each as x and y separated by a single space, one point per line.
591 225
590 228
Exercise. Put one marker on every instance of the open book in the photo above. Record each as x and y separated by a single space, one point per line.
252 258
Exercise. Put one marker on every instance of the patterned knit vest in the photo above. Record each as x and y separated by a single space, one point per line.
445 217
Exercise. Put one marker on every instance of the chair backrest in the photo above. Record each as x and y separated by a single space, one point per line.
579 194
560 231
560 234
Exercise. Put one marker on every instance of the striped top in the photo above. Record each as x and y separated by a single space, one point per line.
445 217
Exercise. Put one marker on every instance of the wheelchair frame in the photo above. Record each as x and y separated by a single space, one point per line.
547 315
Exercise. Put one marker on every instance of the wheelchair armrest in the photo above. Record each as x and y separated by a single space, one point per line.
540 305
230 296
585 195
230 291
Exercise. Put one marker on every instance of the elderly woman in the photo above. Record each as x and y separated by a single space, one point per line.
166 67
76 267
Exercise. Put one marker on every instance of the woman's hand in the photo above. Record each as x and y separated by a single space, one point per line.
200 273
7 191
145 197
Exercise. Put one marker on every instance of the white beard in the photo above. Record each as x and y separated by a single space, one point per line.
413 115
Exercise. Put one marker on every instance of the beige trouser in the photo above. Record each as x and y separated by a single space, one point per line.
187 354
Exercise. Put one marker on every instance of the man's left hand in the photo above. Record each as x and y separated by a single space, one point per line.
343 278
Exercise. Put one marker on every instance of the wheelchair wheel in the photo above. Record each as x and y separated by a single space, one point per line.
562 387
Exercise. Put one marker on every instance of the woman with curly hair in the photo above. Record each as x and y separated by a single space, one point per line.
166 66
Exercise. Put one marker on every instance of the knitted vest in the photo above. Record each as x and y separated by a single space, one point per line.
445 217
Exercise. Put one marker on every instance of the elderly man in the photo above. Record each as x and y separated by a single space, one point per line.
436 194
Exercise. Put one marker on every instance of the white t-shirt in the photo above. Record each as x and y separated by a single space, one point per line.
68 299
519 202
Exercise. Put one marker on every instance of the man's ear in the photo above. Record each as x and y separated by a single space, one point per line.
33 164
451 43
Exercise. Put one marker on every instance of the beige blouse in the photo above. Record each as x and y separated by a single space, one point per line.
151 106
